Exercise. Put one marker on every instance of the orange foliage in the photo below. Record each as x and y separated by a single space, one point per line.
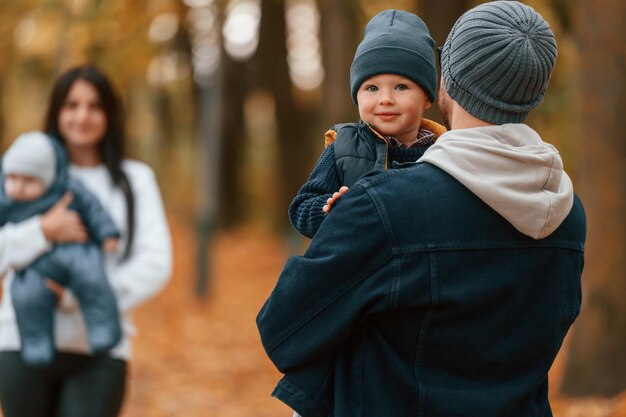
204 357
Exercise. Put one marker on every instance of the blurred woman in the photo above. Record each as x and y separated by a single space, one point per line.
86 116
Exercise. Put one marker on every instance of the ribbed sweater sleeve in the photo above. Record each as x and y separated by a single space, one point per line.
305 211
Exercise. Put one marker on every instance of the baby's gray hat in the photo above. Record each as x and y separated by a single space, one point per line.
497 61
31 154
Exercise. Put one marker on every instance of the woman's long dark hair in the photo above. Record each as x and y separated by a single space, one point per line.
112 145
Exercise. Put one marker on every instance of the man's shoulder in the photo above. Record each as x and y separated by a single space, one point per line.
574 227
405 191
424 203
411 176
419 190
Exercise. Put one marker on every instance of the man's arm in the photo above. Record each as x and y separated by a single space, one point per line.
322 297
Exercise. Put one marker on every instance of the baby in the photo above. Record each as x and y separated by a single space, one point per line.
34 177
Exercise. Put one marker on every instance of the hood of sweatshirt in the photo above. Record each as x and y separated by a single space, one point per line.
512 170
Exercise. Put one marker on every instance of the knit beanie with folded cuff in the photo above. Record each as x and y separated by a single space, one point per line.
31 154
396 42
497 61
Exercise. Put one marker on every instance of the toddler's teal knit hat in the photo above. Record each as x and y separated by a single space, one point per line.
396 42
497 61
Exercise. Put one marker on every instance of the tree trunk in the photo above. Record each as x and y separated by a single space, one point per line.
2 121
293 123
440 16
597 359
231 196
340 31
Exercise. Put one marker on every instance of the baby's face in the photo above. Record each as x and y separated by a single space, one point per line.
23 187
393 104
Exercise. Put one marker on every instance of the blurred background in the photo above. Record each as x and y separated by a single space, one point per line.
228 101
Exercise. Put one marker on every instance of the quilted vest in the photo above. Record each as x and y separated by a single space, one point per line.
358 150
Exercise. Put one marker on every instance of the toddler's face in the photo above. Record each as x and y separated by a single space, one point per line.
393 104
23 187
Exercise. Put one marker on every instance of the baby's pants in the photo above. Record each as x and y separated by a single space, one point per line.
78 267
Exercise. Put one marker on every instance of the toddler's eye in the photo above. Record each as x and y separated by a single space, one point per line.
371 88
402 87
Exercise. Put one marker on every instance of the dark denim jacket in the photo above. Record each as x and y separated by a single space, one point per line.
417 299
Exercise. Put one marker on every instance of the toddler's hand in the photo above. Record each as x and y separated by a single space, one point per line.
335 197
109 245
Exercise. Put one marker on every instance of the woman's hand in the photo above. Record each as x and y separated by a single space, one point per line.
110 245
56 288
62 225
334 198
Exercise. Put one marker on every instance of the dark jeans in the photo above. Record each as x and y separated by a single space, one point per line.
73 386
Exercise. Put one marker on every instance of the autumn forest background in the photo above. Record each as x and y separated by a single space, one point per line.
228 100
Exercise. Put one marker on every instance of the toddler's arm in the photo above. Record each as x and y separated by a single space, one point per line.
306 210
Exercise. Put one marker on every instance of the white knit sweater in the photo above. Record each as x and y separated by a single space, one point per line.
137 279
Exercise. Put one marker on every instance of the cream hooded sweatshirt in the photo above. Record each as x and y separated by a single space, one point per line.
512 170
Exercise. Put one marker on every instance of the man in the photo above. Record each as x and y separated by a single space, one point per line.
446 288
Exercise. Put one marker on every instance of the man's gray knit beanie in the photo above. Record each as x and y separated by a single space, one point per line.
396 42
31 154
497 61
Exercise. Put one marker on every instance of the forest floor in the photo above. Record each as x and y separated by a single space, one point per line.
202 357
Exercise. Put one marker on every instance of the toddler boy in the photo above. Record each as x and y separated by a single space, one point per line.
393 79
